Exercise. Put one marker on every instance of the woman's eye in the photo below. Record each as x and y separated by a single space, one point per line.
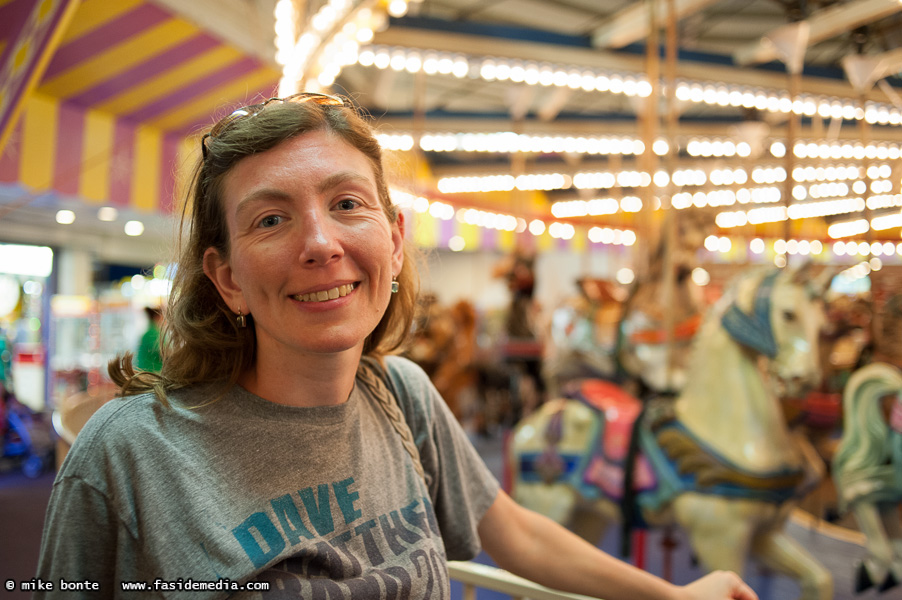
346 204
270 221
789 316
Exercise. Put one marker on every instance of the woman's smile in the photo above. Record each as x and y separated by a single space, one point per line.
339 291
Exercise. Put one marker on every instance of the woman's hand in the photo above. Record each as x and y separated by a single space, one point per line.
719 585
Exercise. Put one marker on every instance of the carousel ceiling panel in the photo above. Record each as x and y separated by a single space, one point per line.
137 61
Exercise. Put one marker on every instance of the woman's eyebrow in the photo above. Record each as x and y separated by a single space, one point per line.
337 179
257 195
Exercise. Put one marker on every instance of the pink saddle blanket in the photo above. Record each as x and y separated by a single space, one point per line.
620 411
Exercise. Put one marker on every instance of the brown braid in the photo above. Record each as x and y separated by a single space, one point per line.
369 375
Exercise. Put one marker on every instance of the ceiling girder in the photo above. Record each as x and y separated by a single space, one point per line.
824 24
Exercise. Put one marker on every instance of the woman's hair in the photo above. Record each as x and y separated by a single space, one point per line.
203 342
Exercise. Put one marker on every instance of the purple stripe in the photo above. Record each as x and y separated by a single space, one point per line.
446 232
146 70
489 239
194 89
9 155
167 201
13 17
67 165
104 37
121 164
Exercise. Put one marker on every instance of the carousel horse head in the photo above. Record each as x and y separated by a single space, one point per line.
778 315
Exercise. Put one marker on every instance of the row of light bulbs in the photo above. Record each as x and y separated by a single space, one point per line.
764 175
630 84
724 244
606 235
824 208
507 222
510 142
627 237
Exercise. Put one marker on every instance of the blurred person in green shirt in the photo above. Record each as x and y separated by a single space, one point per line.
148 356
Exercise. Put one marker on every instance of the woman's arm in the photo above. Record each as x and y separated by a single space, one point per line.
535 547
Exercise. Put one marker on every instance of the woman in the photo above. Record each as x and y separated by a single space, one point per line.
270 449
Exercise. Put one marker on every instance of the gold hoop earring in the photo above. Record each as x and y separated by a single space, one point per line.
241 320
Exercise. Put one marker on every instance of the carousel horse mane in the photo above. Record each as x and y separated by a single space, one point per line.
864 446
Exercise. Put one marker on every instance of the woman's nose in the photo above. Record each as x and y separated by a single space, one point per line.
321 240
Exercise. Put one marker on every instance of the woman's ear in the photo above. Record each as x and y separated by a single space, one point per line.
397 236
220 273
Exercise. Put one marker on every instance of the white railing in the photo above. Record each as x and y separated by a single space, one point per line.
474 575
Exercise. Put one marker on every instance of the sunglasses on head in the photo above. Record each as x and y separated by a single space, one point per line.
252 109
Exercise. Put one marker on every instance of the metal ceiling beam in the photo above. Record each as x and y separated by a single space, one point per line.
247 25
477 45
890 63
631 24
824 24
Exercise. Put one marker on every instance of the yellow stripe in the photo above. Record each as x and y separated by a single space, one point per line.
39 143
94 13
96 155
545 242
183 74
230 94
4 2
424 232
146 182
580 241
471 234
506 241
119 58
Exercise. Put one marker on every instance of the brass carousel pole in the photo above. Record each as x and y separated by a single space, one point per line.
648 131
670 218
668 541
792 132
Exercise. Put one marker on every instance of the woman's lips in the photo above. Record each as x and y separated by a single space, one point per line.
323 295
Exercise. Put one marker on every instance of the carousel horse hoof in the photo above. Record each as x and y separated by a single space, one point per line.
889 583
863 579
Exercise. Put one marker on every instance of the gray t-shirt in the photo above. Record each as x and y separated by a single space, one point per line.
317 502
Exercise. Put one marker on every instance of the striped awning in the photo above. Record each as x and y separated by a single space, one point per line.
121 88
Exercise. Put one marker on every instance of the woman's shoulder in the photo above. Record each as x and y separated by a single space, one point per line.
404 367
123 425
411 384
108 433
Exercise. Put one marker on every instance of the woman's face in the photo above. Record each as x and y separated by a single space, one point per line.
312 251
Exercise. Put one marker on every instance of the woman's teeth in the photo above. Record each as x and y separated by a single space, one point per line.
336 292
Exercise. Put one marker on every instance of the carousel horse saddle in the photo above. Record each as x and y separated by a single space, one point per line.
666 458
606 468
683 462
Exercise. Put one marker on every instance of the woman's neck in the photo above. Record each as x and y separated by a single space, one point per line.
310 380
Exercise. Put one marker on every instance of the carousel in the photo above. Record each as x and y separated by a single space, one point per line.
662 265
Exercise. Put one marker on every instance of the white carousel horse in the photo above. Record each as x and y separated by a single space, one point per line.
719 461
867 469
